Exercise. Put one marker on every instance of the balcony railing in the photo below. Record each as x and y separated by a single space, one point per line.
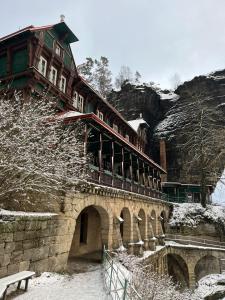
108 179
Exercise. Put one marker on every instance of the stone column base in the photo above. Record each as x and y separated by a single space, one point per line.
152 244
161 240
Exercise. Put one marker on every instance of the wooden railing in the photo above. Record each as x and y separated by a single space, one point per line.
108 179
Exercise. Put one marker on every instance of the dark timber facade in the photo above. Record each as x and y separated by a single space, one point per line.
37 59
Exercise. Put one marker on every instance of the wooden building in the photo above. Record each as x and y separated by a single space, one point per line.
37 59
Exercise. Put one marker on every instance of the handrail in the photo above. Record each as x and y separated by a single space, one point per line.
117 284
195 240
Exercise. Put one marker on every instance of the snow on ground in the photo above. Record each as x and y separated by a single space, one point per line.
4 212
191 214
209 285
53 286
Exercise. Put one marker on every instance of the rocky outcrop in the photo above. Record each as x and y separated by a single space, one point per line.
167 113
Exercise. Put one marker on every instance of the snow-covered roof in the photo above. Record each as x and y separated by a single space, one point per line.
168 96
69 114
136 123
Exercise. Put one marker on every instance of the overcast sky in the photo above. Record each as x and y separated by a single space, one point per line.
156 37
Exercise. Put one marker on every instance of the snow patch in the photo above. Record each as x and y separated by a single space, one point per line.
136 123
4 212
191 214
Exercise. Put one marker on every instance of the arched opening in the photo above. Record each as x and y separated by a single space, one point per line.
163 221
178 270
153 221
91 233
142 224
125 226
207 265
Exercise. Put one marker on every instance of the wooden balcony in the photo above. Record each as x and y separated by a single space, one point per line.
108 179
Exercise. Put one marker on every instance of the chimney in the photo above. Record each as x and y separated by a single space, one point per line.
62 18
162 146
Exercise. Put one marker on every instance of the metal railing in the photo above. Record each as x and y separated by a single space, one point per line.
182 239
117 284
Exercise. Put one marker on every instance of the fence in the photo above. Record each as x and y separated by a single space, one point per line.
117 284
195 241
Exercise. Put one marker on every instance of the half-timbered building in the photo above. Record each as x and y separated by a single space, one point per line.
37 59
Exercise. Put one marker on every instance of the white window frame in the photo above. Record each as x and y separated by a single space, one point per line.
80 103
40 66
115 127
75 99
100 115
63 85
58 49
127 137
51 78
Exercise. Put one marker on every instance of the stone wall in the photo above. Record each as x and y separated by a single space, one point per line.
34 243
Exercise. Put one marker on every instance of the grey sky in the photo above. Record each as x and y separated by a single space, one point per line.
156 37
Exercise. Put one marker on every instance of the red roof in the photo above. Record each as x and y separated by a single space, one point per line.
28 28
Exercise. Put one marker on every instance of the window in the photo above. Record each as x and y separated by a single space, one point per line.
62 86
81 103
100 115
115 127
42 66
127 137
58 50
75 99
53 75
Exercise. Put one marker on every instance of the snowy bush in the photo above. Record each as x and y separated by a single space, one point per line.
40 156
192 214
150 285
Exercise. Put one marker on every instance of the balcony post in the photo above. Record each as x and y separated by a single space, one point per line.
138 174
100 157
131 173
112 162
123 167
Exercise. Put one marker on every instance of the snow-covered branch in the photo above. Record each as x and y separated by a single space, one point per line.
40 156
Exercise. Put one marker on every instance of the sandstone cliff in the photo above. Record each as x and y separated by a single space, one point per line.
167 113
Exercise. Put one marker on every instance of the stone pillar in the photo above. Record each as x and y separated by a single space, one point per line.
192 277
152 243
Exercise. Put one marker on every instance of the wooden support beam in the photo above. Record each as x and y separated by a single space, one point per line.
100 157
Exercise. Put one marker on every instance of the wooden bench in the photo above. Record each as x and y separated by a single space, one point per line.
12 279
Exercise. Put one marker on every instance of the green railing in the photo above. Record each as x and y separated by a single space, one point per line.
117 284
178 199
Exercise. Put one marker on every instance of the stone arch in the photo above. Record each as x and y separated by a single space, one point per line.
178 269
163 221
154 222
91 232
125 226
206 265
142 224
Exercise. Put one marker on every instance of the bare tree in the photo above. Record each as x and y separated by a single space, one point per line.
175 81
203 142
40 156
125 75
149 284
97 73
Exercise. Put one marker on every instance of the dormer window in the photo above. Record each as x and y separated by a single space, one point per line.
42 66
53 75
62 86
